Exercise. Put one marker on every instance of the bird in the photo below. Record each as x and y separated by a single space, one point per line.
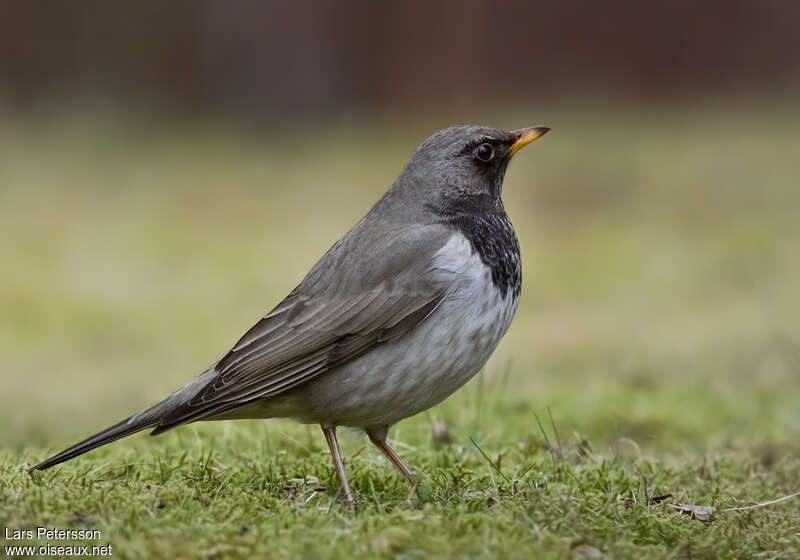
398 314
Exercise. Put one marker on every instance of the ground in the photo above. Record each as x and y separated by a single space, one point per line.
656 351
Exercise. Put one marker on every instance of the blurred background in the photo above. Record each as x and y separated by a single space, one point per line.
170 170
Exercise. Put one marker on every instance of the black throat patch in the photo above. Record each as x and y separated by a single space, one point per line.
492 237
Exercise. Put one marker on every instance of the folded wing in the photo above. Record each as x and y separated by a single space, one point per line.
335 315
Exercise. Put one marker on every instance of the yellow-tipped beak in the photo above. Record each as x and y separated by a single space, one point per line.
526 136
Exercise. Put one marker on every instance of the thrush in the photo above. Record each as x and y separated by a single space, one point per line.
403 310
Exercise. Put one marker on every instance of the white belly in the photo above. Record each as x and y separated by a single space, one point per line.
417 370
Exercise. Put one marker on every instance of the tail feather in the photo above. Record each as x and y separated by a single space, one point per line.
147 418
125 428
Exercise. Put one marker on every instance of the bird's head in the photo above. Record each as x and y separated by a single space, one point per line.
461 168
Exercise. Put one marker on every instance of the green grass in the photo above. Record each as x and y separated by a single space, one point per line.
656 349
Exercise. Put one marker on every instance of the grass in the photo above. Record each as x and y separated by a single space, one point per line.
656 350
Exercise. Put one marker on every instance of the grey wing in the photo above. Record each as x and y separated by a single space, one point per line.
315 330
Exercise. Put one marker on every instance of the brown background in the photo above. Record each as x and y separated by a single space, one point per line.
281 59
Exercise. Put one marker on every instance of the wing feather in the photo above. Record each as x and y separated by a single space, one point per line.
325 322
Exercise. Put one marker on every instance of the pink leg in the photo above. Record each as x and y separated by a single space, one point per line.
378 437
333 445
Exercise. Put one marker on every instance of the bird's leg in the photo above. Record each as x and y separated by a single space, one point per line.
333 445
378 437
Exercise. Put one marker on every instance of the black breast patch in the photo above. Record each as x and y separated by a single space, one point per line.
492 237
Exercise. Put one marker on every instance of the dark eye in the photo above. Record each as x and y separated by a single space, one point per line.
484 152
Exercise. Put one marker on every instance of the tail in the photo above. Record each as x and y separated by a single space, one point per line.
147 418
127 427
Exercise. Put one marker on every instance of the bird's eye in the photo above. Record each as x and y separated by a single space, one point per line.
484 152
